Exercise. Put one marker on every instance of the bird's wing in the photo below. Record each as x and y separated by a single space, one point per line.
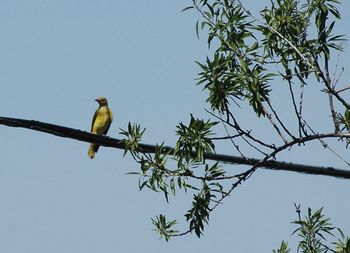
94 119
109 122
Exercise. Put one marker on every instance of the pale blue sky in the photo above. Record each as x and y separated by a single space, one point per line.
56 58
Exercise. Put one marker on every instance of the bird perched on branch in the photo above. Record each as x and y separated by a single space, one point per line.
101 122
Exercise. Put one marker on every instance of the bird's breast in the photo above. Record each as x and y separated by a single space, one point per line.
103 120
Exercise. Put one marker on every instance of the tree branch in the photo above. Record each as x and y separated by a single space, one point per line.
76 134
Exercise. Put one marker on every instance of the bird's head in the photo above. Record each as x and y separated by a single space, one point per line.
101 101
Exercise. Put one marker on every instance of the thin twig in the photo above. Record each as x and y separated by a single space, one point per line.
347 87
240 130
325 145
279 132
299 117
330 97
279 120
301 126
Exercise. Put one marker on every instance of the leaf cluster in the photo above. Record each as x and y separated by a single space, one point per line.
199 213
290 36
234 72
194 140
164 227
238 68
314 231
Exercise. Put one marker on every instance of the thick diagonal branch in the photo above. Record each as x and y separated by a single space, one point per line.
76 134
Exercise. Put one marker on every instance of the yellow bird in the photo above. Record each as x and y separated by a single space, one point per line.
101 122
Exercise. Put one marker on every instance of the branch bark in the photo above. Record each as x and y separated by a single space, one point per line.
106 141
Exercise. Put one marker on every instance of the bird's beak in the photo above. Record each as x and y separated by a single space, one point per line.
96 99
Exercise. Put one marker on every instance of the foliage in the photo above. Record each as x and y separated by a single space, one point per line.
163 227
291 42
315 231
283 248
194 137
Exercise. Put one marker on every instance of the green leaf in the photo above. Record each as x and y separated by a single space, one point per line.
164 227
172 185
197 32
283 248
187 8
132 173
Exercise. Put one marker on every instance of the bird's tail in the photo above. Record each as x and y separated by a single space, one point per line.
92 150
